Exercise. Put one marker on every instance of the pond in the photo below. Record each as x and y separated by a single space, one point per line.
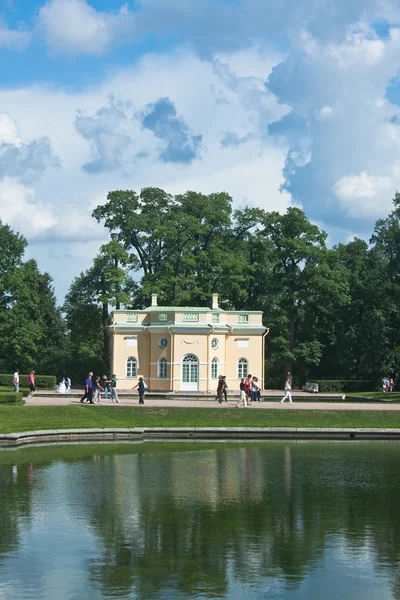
195 521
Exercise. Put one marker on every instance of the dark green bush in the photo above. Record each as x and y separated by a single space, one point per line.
10 397
44 382
344 385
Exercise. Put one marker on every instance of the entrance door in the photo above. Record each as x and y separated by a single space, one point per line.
190 373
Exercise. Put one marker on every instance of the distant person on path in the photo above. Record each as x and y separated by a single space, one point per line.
114 394
88 389
288 392
31 384
141 389
391 385
97 390
224 388
16 381
62 388
384 384
220 389
255 390
248 388
106 382
243 398
68 385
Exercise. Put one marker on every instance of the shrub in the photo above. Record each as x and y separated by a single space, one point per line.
344 385
10 397
46 382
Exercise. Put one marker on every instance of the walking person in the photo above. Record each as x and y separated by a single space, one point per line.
68 385
243 397
288 392
114 394
106 382
248 389
16 381
254 390
224 388
97 391
88 395
141 389
220 389
31 384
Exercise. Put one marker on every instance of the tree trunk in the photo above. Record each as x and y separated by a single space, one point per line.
117 287
106 337
292 345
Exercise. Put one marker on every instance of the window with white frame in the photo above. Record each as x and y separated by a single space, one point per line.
243 368
243 318
162 317
132 317
215 318
190 317
163 343
162 368
131 367
214 368
215 343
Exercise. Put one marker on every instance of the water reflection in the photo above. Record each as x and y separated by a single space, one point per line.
280 520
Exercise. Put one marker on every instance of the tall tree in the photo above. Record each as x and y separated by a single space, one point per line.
183 245
302 284
87 304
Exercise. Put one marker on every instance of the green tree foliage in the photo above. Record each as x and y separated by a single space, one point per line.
184 245
87 308
32 329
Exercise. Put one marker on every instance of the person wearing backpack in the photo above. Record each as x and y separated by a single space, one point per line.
142 387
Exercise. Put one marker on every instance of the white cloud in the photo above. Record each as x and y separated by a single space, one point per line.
19 209
361 195
8 131
13 39
361 186
73 26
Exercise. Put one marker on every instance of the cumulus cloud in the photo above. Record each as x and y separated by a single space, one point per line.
25 160
75 27
20 210
13 39
340 130
108 141
179 144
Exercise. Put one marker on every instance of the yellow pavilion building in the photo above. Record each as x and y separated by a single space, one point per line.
185 349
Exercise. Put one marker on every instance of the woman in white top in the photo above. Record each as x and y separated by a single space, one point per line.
288 394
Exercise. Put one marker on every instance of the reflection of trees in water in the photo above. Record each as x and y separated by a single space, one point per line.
16 484
186 522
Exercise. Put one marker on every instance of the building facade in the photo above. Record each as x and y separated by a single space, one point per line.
186 348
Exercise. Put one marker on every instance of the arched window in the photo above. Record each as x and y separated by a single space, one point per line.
162 368
131 367
214 368
190 369
243 368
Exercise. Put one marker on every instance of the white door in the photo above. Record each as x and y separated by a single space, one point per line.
190 373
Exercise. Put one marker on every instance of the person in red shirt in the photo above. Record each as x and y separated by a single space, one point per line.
247 388
31 384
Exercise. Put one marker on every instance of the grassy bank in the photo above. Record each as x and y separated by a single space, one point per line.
28 418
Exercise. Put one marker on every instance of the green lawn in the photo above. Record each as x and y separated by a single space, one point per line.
388 396
28 418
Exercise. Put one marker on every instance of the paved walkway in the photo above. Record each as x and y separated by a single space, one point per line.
368 405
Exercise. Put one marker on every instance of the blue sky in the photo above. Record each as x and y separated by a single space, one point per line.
278 103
